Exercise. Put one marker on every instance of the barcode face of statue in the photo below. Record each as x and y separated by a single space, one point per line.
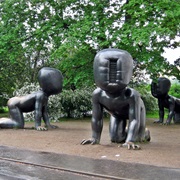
113 69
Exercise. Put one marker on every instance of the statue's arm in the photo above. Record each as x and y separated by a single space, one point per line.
171 102
97 120
46 116
38 110
161 110
134 117
135 105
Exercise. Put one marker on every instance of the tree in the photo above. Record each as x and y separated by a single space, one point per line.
23 46
143 28
67 35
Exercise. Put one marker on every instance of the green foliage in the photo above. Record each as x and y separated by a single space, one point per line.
75 64
149 101
152 114
3 109
175 90
67 35
76 103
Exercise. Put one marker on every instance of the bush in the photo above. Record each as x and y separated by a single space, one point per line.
175 90
66 104
3 109
149 101
76 103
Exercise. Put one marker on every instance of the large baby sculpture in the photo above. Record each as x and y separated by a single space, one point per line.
50 81
112 72
160 91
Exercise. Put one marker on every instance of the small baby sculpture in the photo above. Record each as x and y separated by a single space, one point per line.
112 72
160 91
50 81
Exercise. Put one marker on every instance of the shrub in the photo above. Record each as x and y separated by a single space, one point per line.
149 101
175 90
76 103
3 109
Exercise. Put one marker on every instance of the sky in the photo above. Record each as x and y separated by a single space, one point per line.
172 54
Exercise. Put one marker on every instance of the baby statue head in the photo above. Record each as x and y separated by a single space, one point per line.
160 88
113 69
50 80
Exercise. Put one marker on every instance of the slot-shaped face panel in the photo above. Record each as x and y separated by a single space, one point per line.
161 87
50 80
113 69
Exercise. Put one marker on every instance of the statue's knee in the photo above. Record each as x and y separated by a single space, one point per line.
113 139
117 139
18 125
12 103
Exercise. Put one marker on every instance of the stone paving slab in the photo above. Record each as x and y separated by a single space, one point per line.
110 168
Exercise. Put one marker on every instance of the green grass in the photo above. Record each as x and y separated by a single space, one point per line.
153 114
4 115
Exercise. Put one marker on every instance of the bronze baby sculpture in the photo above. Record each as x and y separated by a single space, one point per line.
160 91
50 81
112 72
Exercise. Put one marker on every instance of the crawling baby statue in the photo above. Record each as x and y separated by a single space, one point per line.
50 81
112 73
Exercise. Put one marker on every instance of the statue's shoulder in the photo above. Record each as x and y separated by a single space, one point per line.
97 91
130 92
39 94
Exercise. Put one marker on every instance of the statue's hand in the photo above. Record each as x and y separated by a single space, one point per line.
131 145
41 128
89 141
158 121
167 122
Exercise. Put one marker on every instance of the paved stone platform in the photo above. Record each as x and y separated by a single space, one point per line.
21 164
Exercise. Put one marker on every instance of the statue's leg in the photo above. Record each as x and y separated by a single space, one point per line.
16 119
17 116
8 123
176 117
117 129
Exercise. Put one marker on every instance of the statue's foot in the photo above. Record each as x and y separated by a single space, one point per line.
41 128
167 123
89 141
131 145
158 121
